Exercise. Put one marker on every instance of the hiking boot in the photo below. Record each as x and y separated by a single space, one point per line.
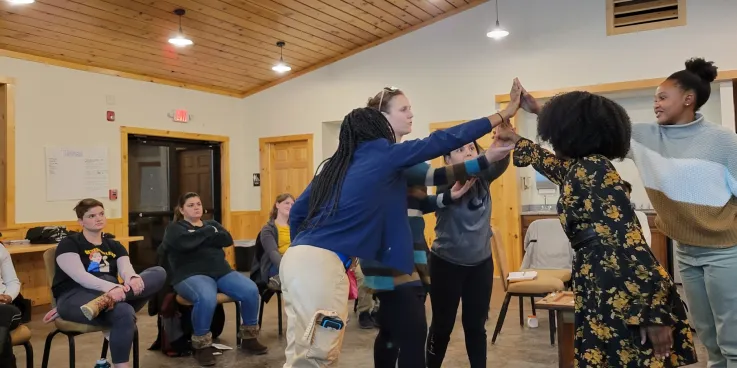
96 306
203 350
365 321
375 318
274 283
249 340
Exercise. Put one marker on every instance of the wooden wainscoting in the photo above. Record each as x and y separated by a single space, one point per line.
243 225
30 266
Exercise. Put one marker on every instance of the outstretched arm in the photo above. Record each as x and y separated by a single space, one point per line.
424 174
528 153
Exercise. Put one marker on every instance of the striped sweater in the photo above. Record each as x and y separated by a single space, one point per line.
690 175
381 278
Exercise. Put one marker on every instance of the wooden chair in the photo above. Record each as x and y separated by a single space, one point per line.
221 299
544 284
73 329
22 336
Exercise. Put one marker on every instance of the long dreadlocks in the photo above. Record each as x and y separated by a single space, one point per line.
360 125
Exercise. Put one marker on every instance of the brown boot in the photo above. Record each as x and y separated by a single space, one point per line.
98 305
203 350
249 340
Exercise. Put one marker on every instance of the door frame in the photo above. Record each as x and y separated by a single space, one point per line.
264 150
224 142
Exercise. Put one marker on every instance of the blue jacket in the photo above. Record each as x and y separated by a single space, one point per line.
371 218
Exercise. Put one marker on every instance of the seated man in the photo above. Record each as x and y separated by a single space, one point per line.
10 315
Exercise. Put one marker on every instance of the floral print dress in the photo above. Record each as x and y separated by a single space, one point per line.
617 282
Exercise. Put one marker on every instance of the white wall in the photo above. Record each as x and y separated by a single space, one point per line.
639 105
451 71
63 107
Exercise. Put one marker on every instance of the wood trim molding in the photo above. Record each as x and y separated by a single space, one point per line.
7 195
613 87
472 4
263 149
224 162
117 73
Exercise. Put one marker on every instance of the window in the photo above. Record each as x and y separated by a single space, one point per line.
627 16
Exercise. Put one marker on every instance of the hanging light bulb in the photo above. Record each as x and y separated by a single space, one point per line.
498 32
281 67
179 40
21 2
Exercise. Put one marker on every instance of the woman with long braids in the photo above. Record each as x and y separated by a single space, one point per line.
355 207
401 317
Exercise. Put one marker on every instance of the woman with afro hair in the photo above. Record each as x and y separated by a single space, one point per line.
627 310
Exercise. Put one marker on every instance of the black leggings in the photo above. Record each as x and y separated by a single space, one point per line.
450 284
10 317
403 328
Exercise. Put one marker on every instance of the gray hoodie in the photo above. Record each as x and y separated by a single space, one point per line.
463 229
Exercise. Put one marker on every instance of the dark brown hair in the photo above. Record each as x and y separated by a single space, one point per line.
381 100
279 199
182 200
85 205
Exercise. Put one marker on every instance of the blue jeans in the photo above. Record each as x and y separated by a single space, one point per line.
202 292
709 276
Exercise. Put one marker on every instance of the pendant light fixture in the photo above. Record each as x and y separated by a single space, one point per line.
498 32
179 40
281 67
21 2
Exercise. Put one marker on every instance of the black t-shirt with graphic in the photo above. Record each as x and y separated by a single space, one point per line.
99 260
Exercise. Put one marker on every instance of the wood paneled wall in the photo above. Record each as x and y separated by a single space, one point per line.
243 225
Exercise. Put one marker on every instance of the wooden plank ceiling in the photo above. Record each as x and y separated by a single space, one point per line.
234 40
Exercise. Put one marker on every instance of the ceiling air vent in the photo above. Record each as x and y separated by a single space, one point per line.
626 16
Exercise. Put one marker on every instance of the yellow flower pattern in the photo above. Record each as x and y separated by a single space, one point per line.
618 283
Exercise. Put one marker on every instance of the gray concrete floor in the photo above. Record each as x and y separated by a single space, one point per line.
516 347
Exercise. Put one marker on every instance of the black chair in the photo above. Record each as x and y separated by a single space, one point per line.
264 291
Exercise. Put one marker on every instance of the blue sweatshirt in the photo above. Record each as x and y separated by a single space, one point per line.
373 200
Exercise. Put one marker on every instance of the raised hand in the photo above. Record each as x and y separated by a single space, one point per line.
528 103
499 149
458 189
505 133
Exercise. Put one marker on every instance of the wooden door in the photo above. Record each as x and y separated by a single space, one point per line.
195 175
286 168
505 205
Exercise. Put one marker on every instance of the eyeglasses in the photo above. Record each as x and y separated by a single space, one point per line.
386 89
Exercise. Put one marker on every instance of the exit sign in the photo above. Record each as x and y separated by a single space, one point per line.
180 116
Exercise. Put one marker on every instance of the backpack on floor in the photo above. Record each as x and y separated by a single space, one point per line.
175 327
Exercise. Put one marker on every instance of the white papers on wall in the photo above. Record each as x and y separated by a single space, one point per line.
76 173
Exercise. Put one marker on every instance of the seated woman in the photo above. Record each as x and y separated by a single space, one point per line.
275 239
10 315
86 286
194 250
628 312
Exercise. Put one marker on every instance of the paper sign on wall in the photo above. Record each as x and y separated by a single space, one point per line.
76 173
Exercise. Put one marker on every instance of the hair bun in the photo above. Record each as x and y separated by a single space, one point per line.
706 70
